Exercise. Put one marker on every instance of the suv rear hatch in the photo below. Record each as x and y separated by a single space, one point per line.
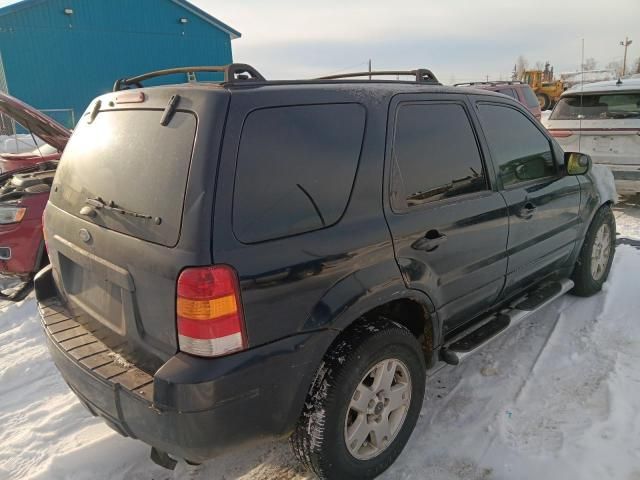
114 224
603 125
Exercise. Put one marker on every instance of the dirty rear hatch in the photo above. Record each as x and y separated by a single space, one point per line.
125 214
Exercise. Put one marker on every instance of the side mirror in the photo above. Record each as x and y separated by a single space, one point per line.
577 163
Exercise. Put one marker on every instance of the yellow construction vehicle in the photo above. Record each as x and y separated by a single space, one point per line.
544 86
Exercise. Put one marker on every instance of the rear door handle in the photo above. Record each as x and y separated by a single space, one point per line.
431 240
527 211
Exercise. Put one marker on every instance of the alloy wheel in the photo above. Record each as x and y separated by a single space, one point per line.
378 409
600 252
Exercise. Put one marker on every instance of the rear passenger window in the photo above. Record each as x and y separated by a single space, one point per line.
519 150
530 97
296 168
436 155
510 92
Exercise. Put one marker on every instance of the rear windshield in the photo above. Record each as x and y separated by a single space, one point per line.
530 97
598 107
128 158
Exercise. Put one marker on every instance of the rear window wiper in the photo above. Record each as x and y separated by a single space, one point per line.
98 203
169 110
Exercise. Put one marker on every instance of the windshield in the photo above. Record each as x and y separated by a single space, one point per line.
598 106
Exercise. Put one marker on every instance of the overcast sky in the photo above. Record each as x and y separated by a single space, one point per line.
460 40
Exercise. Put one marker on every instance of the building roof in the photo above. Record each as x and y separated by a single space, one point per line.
15 7
208 18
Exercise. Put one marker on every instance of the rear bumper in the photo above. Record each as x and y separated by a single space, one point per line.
192 408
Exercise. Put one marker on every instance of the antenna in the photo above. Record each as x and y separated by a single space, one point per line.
581 101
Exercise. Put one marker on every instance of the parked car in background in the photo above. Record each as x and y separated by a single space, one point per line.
521 91
25 182
223 270
602 119
18 115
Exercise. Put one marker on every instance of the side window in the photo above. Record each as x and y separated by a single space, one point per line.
435 154
530 97
510 92
519 150
296 167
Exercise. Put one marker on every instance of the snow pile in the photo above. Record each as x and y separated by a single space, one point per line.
559 397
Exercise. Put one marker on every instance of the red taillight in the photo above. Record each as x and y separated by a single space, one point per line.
209 311
561 133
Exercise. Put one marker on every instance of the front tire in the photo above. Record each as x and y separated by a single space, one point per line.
596 256
363 404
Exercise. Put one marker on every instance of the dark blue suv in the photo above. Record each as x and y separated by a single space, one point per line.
251 259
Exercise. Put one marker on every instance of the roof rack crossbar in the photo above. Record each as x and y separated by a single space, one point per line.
233 73
422 75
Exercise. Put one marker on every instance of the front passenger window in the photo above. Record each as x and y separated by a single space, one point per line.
519 150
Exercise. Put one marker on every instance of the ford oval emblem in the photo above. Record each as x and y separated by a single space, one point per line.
85 236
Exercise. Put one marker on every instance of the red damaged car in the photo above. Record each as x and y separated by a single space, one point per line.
25 182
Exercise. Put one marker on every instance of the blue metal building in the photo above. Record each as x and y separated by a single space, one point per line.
59 54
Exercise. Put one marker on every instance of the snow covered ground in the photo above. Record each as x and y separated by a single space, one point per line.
558 398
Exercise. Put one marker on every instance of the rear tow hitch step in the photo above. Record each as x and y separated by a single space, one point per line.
467 342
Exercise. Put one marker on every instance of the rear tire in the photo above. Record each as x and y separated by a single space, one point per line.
596 256
543 100
363 404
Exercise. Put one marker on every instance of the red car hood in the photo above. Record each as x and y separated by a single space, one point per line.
41 125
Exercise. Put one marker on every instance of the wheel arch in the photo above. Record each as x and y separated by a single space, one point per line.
368 294
595 207
359 299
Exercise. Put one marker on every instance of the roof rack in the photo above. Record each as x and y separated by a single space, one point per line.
494 82
233 73
422 75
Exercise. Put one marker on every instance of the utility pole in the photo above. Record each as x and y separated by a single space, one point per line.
369 69
625 44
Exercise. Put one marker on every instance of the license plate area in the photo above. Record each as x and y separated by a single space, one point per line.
92 291
602 144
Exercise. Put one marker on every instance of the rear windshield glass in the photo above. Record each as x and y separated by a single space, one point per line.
296 167
597 107
128 158
530 97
